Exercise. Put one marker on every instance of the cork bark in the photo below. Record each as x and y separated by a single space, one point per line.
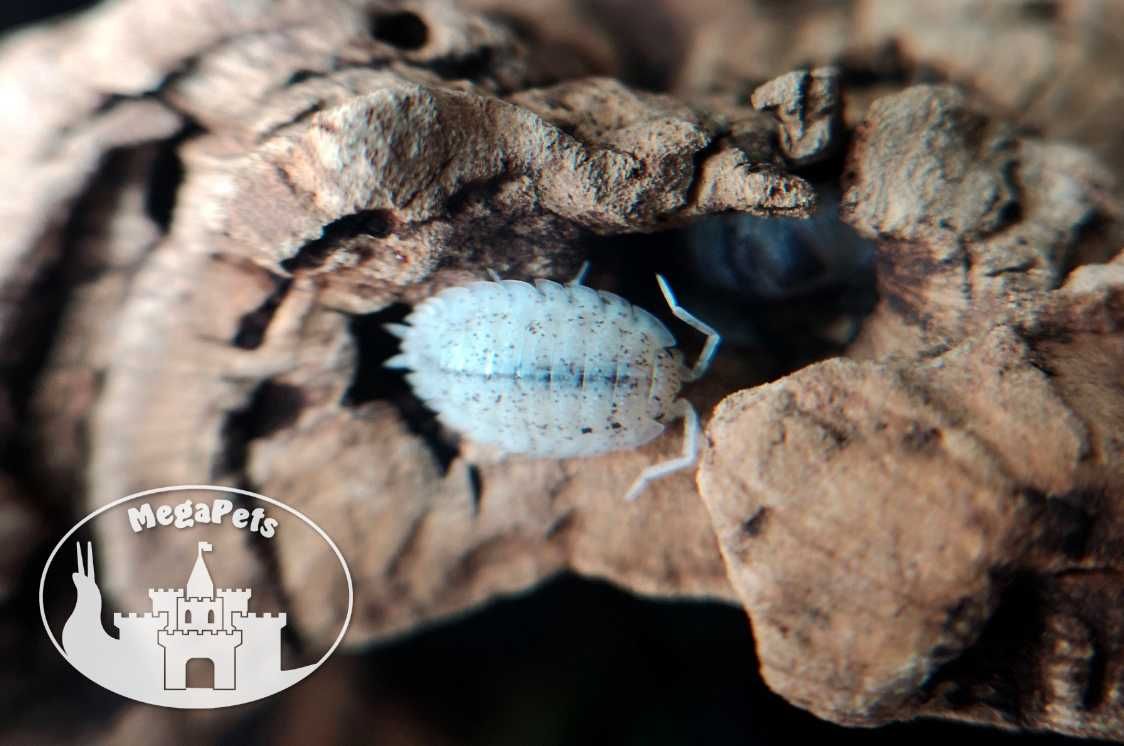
212 207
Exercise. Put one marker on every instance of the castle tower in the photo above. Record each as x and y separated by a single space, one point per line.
199 584
166 601
204 614
200 630
199 610
139 635
199 621
234 601
261 635
138 631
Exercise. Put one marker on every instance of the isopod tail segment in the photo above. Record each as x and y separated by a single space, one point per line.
682 407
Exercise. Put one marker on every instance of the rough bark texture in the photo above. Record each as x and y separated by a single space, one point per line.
974 223
206 224
934 537
807 104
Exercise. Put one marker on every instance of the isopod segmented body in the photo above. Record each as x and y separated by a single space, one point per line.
551 370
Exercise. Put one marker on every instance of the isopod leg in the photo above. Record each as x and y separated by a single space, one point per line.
579 279
684 461
712 337
494 275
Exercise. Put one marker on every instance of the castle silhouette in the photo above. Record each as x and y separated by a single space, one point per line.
148 660
207 623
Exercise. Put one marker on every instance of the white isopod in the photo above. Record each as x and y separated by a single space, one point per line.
550 370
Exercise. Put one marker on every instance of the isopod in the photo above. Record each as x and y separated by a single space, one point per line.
551 370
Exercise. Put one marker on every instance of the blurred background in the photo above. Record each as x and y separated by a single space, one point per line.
573 662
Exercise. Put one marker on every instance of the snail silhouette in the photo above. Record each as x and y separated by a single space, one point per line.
89 648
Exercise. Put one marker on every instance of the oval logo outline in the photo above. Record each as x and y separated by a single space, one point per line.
311 668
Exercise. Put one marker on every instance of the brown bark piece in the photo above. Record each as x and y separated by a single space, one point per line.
939 538
1055 67
945 168
974 224
422 545
807 105
834 511
490 183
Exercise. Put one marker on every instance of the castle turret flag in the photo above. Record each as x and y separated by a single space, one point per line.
199 584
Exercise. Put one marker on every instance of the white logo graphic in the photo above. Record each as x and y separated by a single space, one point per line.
149 657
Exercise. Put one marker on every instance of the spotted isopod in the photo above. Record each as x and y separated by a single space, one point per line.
553 371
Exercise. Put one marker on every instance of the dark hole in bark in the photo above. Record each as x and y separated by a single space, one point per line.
301 76
475 487
253 325
755 524
784 292
469 66
1095 243
374 382
272 407
404 30
369 223
165 178
998 669
1068 520
1010 213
